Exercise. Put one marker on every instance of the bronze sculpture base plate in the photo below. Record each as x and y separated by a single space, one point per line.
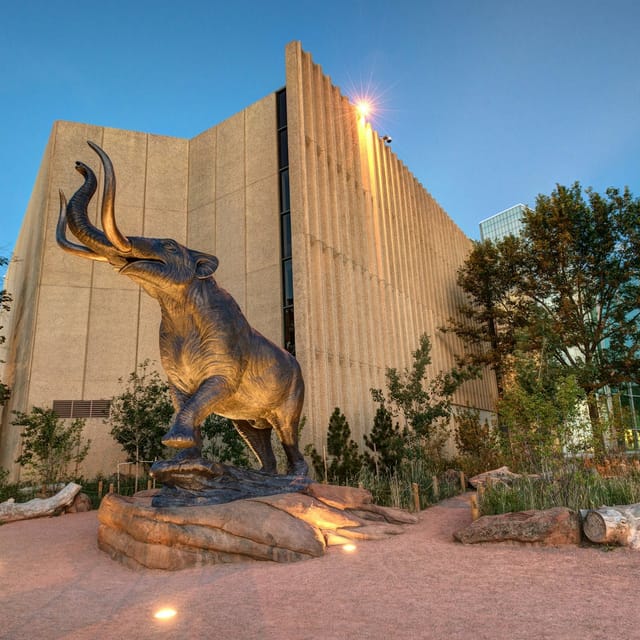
191 480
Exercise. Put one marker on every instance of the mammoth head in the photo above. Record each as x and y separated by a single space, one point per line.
153 262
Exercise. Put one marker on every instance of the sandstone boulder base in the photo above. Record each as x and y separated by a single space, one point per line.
282 528
550 527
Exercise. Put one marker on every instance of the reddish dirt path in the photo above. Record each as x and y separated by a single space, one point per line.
55 583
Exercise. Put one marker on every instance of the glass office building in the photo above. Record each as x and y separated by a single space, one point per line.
505 223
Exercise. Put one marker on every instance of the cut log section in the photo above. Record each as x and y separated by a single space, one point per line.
614 525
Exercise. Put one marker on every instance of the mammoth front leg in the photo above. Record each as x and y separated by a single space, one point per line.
192 410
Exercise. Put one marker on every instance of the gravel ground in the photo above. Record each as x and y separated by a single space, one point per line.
55 583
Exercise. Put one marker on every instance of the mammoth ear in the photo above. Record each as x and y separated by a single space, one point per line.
205 266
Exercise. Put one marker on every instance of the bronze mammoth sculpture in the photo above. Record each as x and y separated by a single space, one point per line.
214 360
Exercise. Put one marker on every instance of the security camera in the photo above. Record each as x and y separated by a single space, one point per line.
387 139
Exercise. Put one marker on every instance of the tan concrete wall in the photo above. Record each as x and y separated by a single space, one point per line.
80 326
375 257
233 210
19 325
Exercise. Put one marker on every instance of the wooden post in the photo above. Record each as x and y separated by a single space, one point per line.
475 512
480 494
100 489
415 490
436 488
111 487
463 482
148 484
324 458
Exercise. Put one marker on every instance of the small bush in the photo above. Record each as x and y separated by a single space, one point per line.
50 446
477 442
141 415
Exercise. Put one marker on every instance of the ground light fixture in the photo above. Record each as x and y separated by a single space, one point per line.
349 548
166 613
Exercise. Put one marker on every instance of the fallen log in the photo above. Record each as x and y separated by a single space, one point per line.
11 511
614 525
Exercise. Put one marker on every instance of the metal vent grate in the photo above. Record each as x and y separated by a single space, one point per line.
82 408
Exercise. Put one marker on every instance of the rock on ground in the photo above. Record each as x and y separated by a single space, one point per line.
550 527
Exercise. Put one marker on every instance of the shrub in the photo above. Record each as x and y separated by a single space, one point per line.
477 442
141 415
50 446
421 407
541 411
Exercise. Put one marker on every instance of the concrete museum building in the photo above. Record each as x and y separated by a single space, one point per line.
327 241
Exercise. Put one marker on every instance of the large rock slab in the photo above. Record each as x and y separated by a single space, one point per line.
550 527
281 528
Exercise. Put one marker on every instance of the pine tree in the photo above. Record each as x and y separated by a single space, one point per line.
343 460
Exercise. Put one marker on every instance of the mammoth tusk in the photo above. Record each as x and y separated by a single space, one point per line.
115 237
61 236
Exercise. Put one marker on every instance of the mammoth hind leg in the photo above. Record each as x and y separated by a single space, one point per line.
259 441
287 429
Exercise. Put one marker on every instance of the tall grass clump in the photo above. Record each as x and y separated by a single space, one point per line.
395 489
573 488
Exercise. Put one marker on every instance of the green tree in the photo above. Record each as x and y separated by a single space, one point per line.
477 441
422 405
141 415
223 443
568 286
387 442
343 461
50 445
541 407
580 266
493 314
5 299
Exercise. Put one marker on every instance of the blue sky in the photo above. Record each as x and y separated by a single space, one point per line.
488 102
